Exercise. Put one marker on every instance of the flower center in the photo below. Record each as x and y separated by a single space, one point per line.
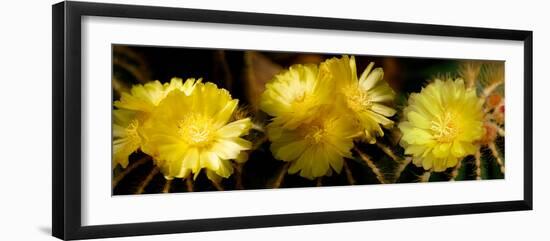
302 101
300 97
195 129
315 133
357 99
445 128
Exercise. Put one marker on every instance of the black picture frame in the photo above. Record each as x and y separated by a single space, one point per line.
67 86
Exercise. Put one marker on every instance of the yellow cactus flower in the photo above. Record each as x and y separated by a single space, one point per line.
315 148
366 98
443 124
134 110
294 96
190 132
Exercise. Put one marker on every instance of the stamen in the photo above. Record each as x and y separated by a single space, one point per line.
358 99
131 130
445 128
315 133
195 130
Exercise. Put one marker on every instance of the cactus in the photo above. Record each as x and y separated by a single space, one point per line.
381 162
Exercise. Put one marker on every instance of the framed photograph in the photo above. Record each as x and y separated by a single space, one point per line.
170 120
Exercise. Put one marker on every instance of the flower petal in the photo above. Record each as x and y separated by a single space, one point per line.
225 113
382 109
372 79
442 150
457 150
235 128
291 151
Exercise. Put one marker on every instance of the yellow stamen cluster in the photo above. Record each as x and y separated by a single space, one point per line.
444 127
195 129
